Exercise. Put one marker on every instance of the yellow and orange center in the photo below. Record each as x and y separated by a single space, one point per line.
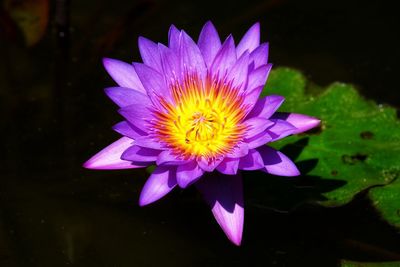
202 118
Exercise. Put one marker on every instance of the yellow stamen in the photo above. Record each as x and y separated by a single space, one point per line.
204 119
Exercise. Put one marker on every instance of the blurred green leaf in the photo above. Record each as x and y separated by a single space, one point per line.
356 148
345 263
31 16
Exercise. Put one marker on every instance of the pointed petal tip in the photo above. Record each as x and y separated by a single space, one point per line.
237 241
87 165
230 38
107 61
209 43
146 198
173 32
159 184
108 91
266 107
251 39
230 222
173 27
209 25
278 100
277 163
254 29
98 164
234 234
302 122
110 157
92 164
224 193
256 25
143 201
314 122
124 97
293 172
123 74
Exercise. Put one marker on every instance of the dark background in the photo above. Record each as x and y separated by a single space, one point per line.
55 116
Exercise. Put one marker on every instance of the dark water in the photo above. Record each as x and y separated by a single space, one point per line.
55 116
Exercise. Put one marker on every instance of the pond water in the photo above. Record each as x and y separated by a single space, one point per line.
55 116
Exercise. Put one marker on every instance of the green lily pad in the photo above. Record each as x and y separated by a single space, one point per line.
345 263
386 199
356 148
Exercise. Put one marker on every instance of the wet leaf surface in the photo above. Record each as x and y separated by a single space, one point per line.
356 148
369 264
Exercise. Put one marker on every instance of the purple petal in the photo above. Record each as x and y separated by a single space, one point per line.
256 125
123 74
224 193
191 57
266 106
149 52
167 157
277 163
125 96
188 173
137 115
225 58
149 141
140 154
238 151
152 81
252 97
258 140
258 77
252 161
301 122
173 38
128 130
110 157
171 67
209 43
160 183
238 73
280 129
228 166
260 55
250 40
207 165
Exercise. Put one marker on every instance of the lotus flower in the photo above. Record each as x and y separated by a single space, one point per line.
194 108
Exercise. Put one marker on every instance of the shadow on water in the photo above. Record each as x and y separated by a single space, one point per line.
286 193
94 220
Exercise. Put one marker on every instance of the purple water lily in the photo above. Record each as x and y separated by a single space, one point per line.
192 109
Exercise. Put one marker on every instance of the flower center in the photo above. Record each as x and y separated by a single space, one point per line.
204 126
203 118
